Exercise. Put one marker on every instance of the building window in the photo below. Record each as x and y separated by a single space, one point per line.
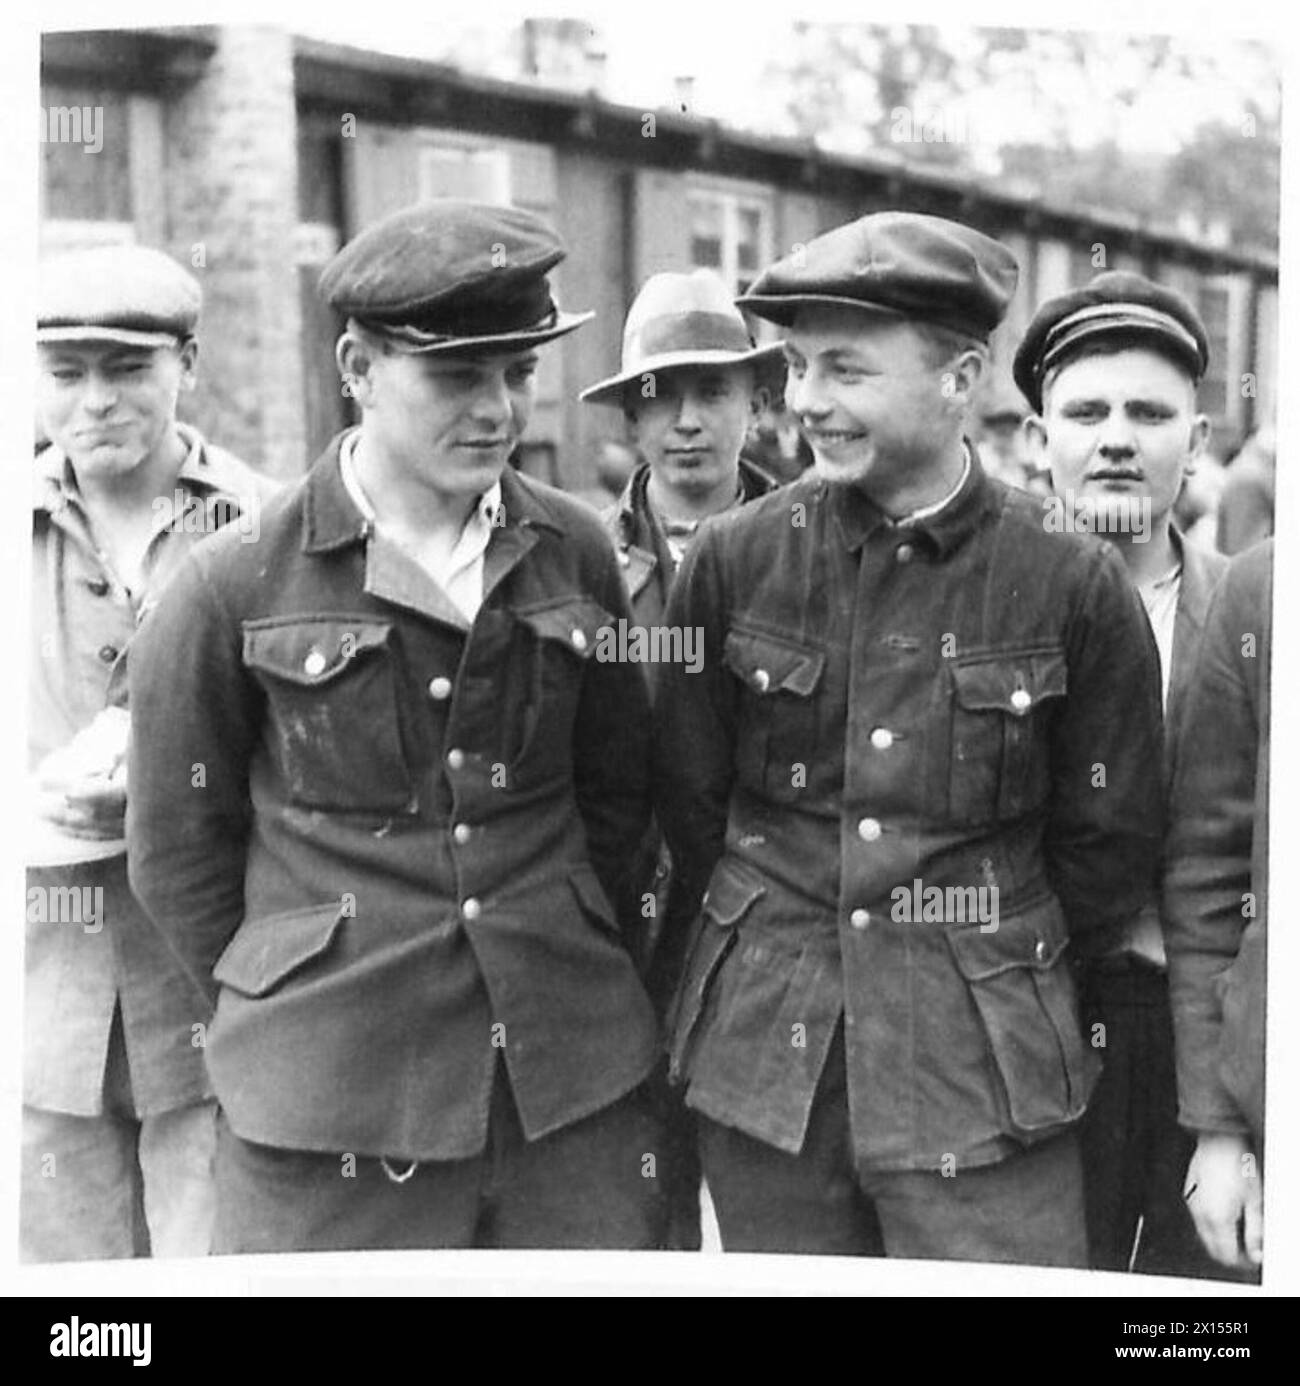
731 233
479 175
1214 302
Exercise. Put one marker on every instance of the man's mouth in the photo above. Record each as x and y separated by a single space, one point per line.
485 444
698 450
1117 473
833 437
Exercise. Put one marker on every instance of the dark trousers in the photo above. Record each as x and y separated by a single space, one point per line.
1134 1152
587 1185
1027 1209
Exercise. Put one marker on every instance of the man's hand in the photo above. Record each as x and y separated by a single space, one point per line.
1225 1194
81 788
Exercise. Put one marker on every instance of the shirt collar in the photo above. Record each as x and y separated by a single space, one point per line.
485 513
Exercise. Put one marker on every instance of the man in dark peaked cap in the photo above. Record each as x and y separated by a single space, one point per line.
422 790
912 767
1112 369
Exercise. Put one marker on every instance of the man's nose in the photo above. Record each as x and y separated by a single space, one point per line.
804 396
688 414
492 400
100 393
1117 438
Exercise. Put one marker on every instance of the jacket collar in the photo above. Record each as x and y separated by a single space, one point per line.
331 519
632 522
858 516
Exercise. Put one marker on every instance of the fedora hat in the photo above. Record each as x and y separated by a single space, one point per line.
679 320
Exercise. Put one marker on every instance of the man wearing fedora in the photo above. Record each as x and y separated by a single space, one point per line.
912 767
118 1121
422 791
689 389
1111 371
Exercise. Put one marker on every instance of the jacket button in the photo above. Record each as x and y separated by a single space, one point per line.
579 639
1020 701
1040 950
869 829
456 758
108 653
904 553
624 558
762 680
471 909
440 689
882 738
860 918
98 585
314 663
462 833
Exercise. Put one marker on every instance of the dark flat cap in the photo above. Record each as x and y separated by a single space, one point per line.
898 263
449 275
128 294
1116 304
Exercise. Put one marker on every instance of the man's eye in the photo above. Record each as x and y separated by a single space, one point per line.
521 375
1084 415
66 375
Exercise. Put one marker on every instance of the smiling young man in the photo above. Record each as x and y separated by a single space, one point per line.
907 684
1111 370
118 1125
421 793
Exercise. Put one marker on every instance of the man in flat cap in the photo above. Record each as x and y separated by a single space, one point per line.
423 790
1111 371
903 780
118 1124
689 388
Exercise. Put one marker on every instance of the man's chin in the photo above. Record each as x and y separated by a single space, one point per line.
842 469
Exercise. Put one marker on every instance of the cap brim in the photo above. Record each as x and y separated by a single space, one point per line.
782 308
118 336
611 391
500 341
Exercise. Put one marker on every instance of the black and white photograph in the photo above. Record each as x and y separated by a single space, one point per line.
649 631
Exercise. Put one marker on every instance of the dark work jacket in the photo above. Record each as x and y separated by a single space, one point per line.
966 702
1216 887
390 839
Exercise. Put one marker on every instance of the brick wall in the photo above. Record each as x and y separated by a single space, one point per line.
231 185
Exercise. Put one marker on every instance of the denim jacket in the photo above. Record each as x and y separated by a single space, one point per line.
967 703
399 866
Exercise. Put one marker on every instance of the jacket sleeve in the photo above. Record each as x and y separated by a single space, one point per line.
1211 899
1103 836
194 722
695 725
611 750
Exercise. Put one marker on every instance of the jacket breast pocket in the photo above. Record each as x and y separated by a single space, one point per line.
1002 706
1023 989
777 727
562 638
733 890
335 729
265 953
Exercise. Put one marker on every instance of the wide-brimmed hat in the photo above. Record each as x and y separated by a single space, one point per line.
679 320
452 276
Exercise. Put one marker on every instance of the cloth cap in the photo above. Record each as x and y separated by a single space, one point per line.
128 294
901 264
452 276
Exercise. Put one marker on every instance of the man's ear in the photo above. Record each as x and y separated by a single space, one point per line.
189 356
963 375
1198 441
759 401
355 358
1034 431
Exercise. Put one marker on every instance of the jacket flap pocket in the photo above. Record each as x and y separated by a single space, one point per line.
732 890
768 664
265 951
575 622
591 896
1014 683
310 651
1032 940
